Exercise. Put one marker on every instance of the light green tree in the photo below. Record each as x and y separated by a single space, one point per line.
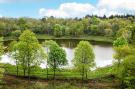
128 73
30 51
122 52
57 30
84 58
14 54
1 66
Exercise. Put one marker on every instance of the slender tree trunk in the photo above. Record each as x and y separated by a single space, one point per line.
47 69
47 66
24 72
28 70
16 68
54 68
54 74
47 73
86 75
82 75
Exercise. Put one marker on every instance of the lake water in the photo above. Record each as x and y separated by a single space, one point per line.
103 53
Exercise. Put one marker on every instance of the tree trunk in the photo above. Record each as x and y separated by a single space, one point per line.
17 69
54 74
24 72
47 73
47 69
28 70
82 75
86 75
54 68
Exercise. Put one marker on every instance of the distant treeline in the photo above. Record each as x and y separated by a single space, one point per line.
112 26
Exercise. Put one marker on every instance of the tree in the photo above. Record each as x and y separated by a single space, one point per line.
22 23
120 42
14 53
1 66
57 57
122 51
30 50
128 72
84 58
57 30
16 33
47 45
1 47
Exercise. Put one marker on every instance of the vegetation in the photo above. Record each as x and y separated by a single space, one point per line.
84 58
27 53
57 57
58 27
1 66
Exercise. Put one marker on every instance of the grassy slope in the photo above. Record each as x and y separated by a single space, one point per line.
98 78
61 73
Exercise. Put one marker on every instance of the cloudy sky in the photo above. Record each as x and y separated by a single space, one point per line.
65 8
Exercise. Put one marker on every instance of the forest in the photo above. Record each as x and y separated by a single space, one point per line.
21 39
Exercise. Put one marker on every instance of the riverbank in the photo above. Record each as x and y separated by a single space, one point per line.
48 37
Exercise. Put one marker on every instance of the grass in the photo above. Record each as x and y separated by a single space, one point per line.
65 79
60 73
48 37
91 38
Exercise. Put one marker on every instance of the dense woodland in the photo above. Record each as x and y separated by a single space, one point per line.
28 53
112 26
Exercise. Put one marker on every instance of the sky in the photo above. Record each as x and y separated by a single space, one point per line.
65 8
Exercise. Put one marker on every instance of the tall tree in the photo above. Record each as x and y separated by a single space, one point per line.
47 45
84 58
57 30
122 52
14 53
57 57
1 66
30 49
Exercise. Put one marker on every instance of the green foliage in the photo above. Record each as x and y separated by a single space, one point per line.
27 51
129 71
57 57
28 43
16 33
84 57
2 70
58 30
120 42
89 25
125 63
1 47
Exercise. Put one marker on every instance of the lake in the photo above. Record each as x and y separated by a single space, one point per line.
103 53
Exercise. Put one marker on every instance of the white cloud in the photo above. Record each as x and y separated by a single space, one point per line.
113 7
103 7
116 4
66 10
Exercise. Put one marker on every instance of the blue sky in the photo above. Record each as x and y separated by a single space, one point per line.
65 8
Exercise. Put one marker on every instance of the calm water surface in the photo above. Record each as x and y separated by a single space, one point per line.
103 53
